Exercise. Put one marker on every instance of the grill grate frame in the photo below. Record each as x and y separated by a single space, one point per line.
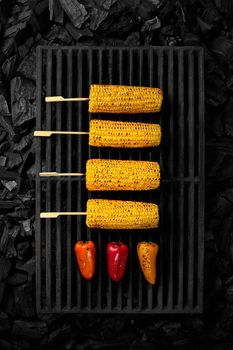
68 71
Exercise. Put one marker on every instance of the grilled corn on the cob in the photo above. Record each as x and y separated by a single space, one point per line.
107 133
121 175
124 99
116 214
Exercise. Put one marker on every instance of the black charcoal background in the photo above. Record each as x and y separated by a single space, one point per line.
25 24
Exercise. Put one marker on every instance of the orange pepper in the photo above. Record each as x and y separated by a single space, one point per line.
85 253
147 252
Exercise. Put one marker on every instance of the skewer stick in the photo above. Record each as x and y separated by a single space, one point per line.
43 133
55 214
53 173
62 99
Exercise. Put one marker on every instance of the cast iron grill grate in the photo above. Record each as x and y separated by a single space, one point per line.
69 71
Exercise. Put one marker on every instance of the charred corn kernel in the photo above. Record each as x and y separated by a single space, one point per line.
124 99
121 175
107 133
121 215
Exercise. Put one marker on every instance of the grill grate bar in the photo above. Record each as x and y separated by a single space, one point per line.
151 83
38 185
191 185
97 232
110 283
120 81
100 241
79 165
140 277
161 202
89 234
58 184
69 189
48 237
171 173
130 284
201 170
181 174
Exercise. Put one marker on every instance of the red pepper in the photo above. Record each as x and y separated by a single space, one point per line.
85 253
117 254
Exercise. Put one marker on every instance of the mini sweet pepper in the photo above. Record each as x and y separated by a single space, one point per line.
147 252
85 253
117 256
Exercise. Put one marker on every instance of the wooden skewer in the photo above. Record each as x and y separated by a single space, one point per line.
55 214
62 99
43 133
54 173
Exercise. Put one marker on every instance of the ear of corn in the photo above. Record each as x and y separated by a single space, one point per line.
124 99
107 133
121 175
122 215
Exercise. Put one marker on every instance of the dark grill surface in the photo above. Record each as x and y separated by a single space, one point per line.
69 72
